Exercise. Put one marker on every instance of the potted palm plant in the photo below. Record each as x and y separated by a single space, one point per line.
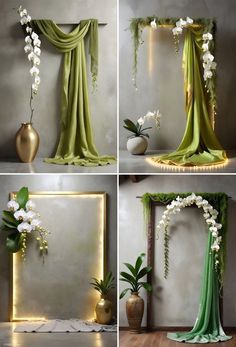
137 142
103 308
135 304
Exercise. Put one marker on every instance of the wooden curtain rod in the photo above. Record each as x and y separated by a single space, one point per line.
76 23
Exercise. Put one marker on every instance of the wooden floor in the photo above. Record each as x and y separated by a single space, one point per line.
158 339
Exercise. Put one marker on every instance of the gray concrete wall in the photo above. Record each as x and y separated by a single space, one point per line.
15 80
58 183
175 300
160 77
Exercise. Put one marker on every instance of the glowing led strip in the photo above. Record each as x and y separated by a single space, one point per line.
101 195
187 168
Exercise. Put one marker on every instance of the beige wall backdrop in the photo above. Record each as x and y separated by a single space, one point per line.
15 79
175 300
54 278
160 75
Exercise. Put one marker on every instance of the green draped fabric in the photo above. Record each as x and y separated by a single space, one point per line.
207 327
76 145
199 145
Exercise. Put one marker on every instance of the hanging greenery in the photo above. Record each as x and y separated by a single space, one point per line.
208 26
220 203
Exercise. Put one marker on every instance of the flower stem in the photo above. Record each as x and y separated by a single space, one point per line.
31 106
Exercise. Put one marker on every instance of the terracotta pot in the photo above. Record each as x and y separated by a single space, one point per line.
103 310
134 312
27 142
137 145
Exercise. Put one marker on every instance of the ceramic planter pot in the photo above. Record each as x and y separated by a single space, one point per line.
137 145
27 142
103 310
134 312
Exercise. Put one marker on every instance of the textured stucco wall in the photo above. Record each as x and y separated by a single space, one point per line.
58 183
176 299
161 85
15 80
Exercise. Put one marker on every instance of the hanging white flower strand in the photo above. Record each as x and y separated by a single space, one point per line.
32 49
209 65
210 215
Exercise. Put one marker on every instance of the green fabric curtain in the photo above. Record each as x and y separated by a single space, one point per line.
76 145
199 145
207 327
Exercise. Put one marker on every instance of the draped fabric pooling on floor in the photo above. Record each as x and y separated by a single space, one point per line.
76 145
199 145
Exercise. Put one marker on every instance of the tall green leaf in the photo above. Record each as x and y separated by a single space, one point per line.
13 242
130 124
8 216
139 262
8 224
22 197
144 272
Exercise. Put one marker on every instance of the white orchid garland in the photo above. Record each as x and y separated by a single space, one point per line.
156 115
32 49
210 215
27 220
209 65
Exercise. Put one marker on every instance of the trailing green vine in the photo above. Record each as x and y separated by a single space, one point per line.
137 26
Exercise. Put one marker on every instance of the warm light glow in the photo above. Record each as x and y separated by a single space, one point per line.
150 52
102 246
179 168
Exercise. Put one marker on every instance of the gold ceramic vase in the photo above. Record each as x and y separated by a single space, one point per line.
134 312
27 142
103 310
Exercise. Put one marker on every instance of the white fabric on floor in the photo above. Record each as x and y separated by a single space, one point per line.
63 326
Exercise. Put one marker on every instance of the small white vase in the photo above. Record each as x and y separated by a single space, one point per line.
137 145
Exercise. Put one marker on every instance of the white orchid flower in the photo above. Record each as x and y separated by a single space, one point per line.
13 205
215 233
36 60
34 71
153 24
30 205
24 227
181 23
37 42
35 88
215 247
177 30
189 20
207 36
37 80
28 39
37 51
207 56
30 215
140 121
28 30
28 18
36 223
205 47
31 56
20 215
207 74
28 48
213 65
34 36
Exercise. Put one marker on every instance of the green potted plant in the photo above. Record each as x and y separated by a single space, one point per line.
135 304
103 308
137 142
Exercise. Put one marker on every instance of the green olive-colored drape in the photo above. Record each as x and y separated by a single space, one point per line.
199 145
207 327
76 145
